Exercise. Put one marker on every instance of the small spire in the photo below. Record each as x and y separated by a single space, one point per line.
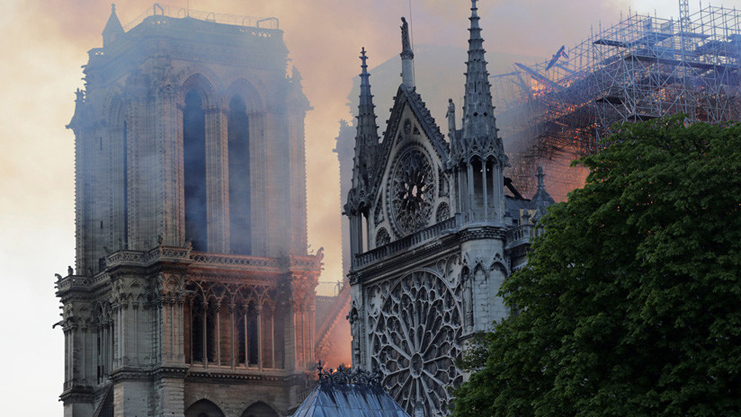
367 127
366 137
541 176
407 56
541 199
479 124
113 28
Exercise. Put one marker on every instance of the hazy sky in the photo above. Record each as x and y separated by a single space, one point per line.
44 43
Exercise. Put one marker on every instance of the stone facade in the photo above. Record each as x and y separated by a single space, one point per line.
435 229
193 293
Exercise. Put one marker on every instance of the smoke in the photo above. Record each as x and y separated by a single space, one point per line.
46 41
324 38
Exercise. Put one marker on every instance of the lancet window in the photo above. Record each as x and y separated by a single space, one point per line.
194 158
480 178
239 177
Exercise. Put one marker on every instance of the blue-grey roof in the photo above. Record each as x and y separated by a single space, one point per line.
341 400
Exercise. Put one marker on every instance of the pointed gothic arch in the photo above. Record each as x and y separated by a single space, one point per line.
254 99
204 408
259 409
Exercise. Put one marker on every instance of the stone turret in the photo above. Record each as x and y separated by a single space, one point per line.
477 154
113 29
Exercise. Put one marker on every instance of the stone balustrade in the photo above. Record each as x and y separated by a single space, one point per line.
424 235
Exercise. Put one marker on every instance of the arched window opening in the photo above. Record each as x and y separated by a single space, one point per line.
99 358
253 334
241 329
188 332
211 341
278 337
239 178
125 180
365 233
491 186
196 342
268 337
478 189
464 198
259 409
202 332
204 408
194 159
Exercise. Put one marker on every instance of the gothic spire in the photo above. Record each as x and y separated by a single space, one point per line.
479 124
366 138
407 56
367 127
541 199
113 28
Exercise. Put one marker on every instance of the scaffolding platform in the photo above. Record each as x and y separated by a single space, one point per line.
642 68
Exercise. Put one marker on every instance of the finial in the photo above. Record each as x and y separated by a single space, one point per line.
473 6
541 175
363 57
113 7
407 56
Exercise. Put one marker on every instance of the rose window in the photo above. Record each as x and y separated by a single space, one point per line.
412 191
415 341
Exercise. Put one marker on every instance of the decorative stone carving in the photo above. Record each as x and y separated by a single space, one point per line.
412 191
414 337
382 237
344 376
443 212
378 212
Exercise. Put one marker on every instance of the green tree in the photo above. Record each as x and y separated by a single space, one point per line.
631 302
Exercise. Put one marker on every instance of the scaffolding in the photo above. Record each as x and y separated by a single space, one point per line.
641 68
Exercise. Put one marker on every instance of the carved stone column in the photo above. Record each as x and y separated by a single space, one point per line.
170 106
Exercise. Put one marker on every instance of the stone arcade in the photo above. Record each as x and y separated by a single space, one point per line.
433 233
193 291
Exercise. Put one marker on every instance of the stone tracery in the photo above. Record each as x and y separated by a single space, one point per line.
415 324
412 190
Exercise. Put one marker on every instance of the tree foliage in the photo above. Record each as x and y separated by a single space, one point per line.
631 302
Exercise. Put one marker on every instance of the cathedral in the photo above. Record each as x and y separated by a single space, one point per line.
434 228
193 291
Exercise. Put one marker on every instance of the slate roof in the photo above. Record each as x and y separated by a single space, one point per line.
348 393
355 400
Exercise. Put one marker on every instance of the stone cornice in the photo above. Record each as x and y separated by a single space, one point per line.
233 376
476 232
78 394
129 374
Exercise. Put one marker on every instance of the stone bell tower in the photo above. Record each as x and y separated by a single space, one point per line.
192 292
